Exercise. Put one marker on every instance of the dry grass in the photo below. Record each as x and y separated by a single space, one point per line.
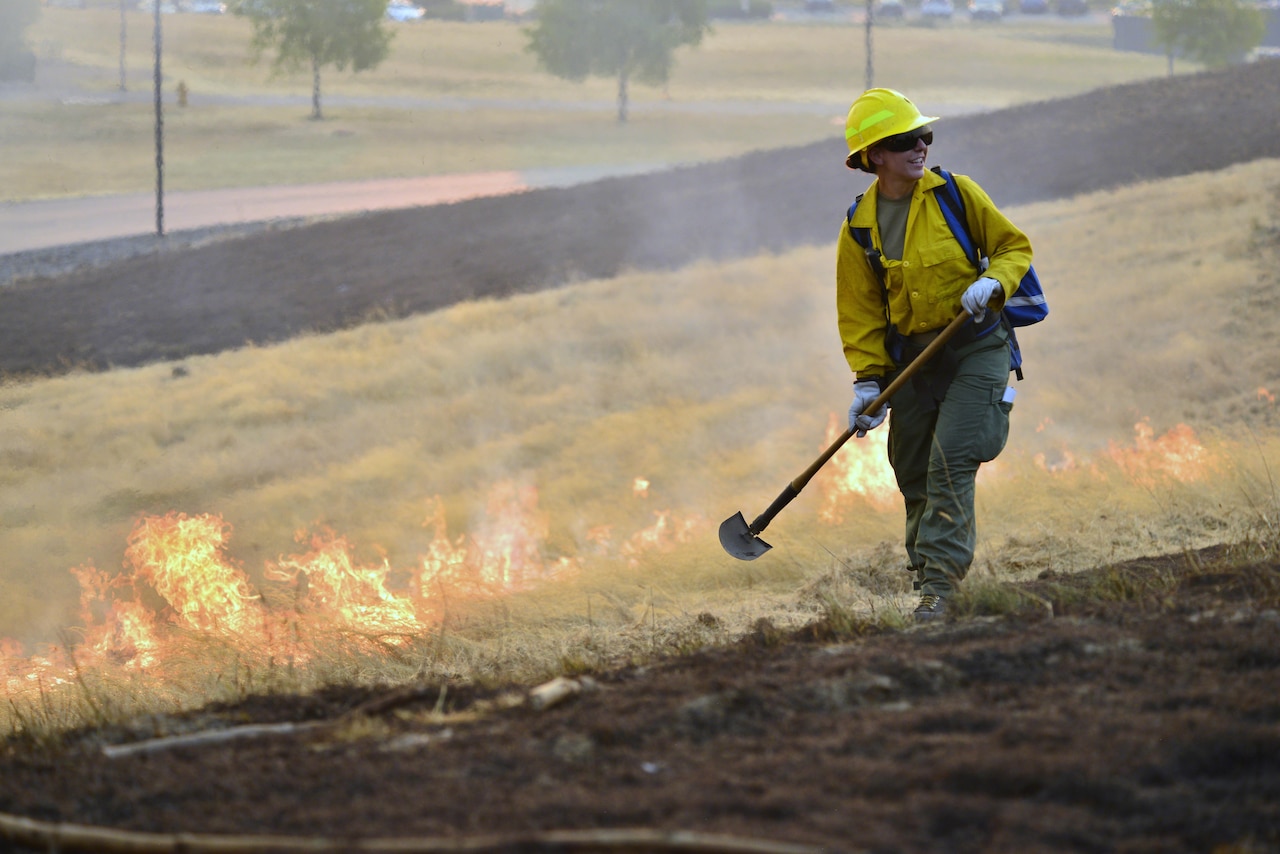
716 384
748 87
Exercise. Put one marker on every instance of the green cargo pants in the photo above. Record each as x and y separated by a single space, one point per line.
935 451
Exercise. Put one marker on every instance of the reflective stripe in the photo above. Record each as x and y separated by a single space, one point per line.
875 119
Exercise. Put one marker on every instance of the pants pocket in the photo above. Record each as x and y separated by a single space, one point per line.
994 432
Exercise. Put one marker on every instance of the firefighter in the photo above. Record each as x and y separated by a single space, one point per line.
892 300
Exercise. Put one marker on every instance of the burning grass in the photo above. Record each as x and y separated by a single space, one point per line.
510 490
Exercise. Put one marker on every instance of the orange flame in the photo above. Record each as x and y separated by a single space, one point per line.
504 555
667 532
1063 460
1177 455
1263 394
859 472
179 578
181 558
330 585
178 585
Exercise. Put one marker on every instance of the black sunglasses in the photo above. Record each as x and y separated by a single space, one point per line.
907 141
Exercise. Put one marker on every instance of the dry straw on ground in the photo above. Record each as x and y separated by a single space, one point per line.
714 385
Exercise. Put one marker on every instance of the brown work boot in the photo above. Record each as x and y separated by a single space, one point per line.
931 607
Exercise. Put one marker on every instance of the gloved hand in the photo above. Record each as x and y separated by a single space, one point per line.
864 392
977 296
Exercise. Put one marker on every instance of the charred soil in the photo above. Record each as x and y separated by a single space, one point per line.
1133 708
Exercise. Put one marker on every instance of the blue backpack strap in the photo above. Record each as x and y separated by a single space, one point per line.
861 235
953 211
1027 305
863 238
952 207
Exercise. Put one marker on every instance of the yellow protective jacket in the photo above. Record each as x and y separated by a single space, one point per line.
925 286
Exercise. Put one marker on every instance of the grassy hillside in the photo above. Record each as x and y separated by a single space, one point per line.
504 487
462 98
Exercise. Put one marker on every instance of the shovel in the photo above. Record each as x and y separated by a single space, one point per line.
742 540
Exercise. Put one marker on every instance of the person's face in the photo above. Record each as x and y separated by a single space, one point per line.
902 158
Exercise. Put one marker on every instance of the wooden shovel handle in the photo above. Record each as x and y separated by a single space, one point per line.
914 365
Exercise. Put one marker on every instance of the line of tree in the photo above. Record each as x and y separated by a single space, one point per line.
575 39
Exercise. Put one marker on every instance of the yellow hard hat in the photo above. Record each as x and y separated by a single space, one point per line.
879 114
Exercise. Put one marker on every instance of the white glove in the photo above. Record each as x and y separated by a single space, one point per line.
864 393
975 299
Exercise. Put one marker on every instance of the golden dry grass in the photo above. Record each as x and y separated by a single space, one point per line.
716 384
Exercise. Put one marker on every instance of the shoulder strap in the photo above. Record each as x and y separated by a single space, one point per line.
863 238
951 203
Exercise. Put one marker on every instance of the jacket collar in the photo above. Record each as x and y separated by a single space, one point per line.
864 216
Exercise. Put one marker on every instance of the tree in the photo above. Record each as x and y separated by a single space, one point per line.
318 33
17 62
1214 32
575 39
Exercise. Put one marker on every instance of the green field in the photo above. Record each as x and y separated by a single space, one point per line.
457 98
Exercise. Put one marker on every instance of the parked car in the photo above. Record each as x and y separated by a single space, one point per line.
888 10
403 10
936 9
986 10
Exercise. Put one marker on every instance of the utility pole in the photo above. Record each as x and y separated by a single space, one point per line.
870 66
159 133
123 33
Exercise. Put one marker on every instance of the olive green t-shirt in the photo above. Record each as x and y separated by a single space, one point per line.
891 216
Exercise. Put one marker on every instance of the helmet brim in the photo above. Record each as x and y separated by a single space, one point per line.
854 160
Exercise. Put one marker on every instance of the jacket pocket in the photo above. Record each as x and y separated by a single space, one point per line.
941 253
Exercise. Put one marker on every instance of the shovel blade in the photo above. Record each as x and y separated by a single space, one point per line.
737 539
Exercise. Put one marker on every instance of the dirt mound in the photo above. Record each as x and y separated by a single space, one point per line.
270 287
1131 709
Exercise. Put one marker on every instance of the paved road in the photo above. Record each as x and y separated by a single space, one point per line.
29 225
43 224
